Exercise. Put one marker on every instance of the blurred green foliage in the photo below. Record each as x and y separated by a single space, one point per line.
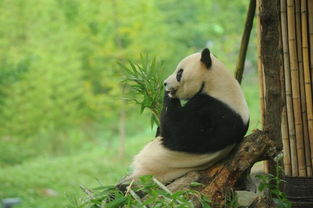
60 84
53 182
58 65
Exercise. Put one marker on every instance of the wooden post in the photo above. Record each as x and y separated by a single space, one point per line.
272 67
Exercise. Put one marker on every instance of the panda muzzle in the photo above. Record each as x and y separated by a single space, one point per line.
171 92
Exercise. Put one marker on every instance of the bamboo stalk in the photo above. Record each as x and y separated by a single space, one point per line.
299 34
261 74
308 89
286 146
295 86
289 107
310 24
284 122
245 41
260 67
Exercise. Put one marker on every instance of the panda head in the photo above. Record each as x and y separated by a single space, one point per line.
190 75
203 72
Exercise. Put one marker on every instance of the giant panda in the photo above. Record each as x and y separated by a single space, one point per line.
204 130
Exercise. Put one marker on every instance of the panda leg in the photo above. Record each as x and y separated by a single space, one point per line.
154 159
166 165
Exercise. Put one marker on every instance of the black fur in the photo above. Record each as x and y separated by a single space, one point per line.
203 125
206 58
158 132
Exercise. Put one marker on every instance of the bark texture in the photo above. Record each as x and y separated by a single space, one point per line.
271 59
224 176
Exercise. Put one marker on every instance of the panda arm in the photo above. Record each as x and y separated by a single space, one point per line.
192 127
171 103
203 124
177 119
171 108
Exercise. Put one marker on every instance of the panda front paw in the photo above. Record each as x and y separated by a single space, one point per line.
170 101
167 95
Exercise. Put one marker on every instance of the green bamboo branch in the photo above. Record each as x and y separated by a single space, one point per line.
144 81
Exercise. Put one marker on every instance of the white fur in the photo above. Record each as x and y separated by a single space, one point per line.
167 165
219 83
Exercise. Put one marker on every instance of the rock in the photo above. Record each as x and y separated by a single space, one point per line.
245 198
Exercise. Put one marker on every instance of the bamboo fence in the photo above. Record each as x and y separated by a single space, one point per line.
296 34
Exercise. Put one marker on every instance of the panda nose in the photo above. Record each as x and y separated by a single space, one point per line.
164 83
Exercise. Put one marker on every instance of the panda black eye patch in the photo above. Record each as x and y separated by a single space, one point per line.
179 75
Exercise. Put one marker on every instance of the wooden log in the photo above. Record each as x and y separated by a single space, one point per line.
224 175
254 148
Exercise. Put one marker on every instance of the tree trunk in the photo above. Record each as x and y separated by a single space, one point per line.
271 59
224 176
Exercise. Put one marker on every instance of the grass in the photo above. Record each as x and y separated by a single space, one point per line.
54 182
157 194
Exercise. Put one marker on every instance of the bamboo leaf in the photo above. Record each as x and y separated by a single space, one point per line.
117 202
144 80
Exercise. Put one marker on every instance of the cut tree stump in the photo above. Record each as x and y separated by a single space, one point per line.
225 175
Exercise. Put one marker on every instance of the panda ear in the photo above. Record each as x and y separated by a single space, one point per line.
206 58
